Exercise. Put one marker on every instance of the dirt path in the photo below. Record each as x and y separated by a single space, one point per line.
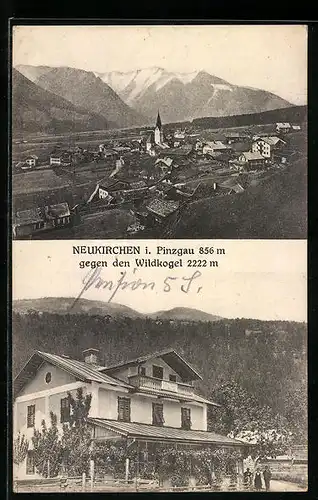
285 486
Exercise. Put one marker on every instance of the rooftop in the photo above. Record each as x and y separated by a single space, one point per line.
149 432
253 156
170 356
162 207
58 210
79 369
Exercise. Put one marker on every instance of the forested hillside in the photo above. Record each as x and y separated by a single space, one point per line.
266 359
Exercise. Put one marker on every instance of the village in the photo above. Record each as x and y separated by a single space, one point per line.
134 181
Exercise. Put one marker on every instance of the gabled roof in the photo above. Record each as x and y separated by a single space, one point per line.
162 207
31 216
58 210
216 145
138 185
272 141
167 161
79 369
166 434
170 356
253 156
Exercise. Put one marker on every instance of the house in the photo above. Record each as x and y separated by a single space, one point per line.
142 402
122 149
55 159
160 209
179 134
58 159
110 154
29 222
267 145
252 159
294 464
296 127
234 137
282 127
103 194
213 146
31 161
181 152
57 215
198 146
231 186
164 165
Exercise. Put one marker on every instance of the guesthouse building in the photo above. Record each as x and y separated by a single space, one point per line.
143 402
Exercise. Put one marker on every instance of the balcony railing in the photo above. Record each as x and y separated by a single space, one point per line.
160 385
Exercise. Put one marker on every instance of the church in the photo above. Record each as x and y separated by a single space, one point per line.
156 138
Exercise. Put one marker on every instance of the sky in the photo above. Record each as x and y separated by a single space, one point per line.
264 279
270 57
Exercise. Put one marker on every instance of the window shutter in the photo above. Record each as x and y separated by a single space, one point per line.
65 410
157 414
186 418
31 416
124 409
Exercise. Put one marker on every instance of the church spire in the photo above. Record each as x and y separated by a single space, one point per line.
158 122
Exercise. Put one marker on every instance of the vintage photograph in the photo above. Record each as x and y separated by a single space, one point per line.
195 131
196 386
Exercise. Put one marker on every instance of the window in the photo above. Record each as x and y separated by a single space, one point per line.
186 418
142 370
172 378
31 416
65 410
48 377
157 414
124 409
157 371
30 469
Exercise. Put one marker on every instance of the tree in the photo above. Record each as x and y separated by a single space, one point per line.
242 417
20 450
76 438
47 448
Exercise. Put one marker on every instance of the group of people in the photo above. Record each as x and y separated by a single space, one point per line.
249 480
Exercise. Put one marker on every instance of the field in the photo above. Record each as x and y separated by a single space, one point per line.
36 181
40 144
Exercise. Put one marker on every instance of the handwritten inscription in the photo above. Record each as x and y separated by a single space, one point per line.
94 279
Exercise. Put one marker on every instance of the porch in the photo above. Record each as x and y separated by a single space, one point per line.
164 457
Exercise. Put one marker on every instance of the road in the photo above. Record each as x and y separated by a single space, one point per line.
285 486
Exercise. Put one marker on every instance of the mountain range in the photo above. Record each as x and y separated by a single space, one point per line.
37 110
64 305
133 98
85 91
184 96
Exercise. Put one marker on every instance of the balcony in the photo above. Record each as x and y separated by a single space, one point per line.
141 381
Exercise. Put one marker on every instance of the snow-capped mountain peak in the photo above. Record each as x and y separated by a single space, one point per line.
133 84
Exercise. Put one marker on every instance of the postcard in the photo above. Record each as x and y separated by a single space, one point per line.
159 258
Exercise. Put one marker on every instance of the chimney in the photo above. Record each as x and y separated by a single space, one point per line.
91 356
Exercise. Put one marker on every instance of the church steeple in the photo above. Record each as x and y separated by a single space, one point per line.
158 122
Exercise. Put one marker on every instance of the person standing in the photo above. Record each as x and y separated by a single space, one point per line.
258 480
267 475
247 478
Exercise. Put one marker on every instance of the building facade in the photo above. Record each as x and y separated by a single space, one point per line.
149 399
